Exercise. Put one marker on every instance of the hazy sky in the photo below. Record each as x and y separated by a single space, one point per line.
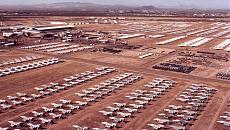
217 4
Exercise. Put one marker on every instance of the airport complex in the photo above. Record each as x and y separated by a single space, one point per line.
126 70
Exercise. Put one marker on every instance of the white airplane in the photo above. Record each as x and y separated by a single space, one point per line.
188 107
180 115
161 121
87 92
120 104
182 99
164 86
12 97
46 121
131 97
189 112
63 111
137 106
156 127
205 94
147 98
171 111
17 102
67 85
176 120
186 96
195 88
98 129
21 94
105 113
186 93
66 101
46 109
80 94
2 101
73 107
117 120
56 105
161 114
227 112
68 79
26 119
54 84
177 127
37 113
104 89
195 104
97 96
188 117
55 116
26 99
81 103
141 102
162 89
141 91
39 89
80 128
109 125
52 90
89 99
36 95
125 115
136 94
209 89
151 95
102 93
226 117
60 87
6 128
44 93
155 92
202 97
221 122
14 124
191 90
175 107
130 110
113 108
93 89
151 85
4 106
227 124
34 126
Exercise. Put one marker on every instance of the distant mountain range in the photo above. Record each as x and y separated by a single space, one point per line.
69 6
74 6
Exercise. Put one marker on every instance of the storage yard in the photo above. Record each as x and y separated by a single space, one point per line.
133 74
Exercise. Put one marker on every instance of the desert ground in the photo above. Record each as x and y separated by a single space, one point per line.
206 60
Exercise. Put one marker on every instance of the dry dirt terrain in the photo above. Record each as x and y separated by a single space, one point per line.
127 61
